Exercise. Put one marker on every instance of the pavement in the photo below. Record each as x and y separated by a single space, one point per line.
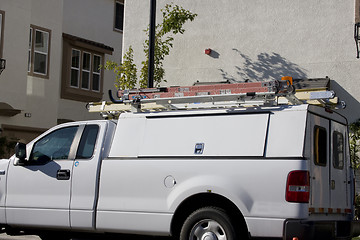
3 236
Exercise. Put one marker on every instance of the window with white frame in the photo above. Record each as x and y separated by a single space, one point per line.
75 68
85 70
86 67
96 73
39 48
82 75
119 15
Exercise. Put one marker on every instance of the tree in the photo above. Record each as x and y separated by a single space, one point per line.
6 147
174 17
125 72
354 137
354 144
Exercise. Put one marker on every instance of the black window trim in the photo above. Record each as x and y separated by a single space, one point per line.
121 2
2 25
96 142
343 150
318 163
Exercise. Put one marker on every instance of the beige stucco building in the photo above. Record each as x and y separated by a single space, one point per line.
53 49
259 40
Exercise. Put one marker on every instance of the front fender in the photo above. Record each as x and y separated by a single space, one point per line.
4 166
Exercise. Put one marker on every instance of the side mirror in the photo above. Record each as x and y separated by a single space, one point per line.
20 153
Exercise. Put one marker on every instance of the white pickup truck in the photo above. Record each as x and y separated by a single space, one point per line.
280 172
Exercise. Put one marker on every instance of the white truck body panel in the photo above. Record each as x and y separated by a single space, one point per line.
254 196
4 163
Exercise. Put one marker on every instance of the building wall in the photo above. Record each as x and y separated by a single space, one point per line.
15 42
258 40
39 99
32 95
94 21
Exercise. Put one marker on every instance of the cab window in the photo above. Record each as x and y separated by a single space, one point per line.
87 142
338 150
320 146
54 146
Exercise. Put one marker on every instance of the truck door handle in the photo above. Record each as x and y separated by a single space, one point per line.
333 184
63 174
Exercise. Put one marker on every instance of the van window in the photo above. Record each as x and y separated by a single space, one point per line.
338 150
87 142
320 146
54 146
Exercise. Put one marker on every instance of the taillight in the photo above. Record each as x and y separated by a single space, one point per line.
298 187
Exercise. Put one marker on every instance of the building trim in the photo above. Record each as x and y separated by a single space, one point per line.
24 129
88 44
2 32
6 110
31 72
357 11
123 3
78 94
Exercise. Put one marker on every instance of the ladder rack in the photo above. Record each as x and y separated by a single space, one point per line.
235 95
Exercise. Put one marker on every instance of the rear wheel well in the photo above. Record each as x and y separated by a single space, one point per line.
201 200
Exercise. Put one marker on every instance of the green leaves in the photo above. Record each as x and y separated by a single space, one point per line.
125 72
174 17
354 144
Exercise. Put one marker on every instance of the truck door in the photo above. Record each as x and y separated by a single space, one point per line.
319 174
329 175
85 175
38 193
340 182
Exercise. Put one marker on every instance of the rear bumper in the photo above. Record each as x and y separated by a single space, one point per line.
306 230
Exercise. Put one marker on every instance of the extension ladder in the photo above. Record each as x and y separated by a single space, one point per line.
231 95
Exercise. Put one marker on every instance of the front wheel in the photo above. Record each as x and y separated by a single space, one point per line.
209 223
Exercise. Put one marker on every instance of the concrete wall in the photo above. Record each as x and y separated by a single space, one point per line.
258 40
30 94
38 97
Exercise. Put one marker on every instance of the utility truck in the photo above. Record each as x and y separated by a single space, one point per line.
196 166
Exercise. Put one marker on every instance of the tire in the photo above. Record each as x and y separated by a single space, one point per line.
208 223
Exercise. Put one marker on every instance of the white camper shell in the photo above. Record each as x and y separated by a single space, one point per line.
281 172
242 156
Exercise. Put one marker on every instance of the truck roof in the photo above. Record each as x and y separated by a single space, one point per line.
324 112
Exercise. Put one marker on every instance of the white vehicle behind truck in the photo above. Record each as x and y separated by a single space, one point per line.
203 174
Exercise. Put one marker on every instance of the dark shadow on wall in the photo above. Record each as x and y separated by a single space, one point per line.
266 67
272 66
351 112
